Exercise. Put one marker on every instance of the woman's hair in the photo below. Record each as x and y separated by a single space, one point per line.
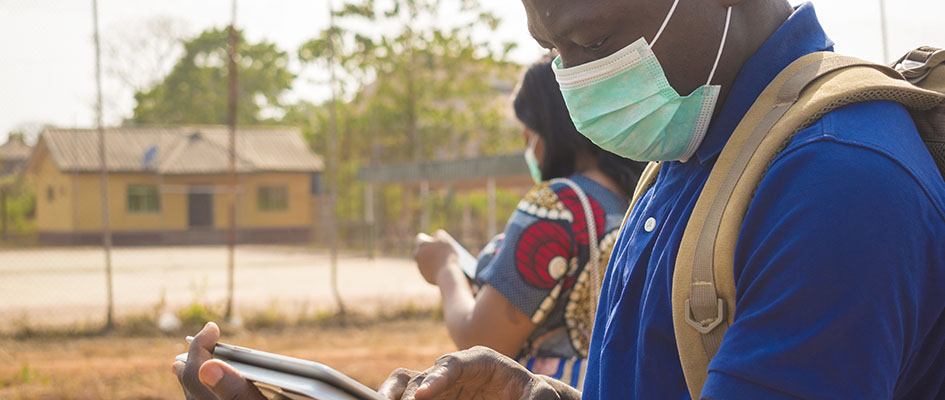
539 105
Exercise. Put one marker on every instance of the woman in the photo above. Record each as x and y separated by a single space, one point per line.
537 295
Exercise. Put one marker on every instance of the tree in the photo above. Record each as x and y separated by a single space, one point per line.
141 53
423 89
138 54
195 91
434 85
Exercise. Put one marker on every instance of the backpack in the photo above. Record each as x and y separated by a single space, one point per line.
703 293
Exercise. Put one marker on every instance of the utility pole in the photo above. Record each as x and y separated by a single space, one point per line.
3 211
103 181
333 162
231 192
882 26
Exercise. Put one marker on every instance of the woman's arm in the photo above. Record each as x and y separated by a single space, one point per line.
488 319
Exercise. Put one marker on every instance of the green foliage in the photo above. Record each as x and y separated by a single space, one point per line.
25 375
196 315
196 90
21 206
426 90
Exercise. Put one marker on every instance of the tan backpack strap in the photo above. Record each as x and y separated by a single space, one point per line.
703 281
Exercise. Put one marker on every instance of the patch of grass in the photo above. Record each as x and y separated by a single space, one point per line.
194 316
269 318
24 375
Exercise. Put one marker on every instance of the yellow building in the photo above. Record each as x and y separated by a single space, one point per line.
169 185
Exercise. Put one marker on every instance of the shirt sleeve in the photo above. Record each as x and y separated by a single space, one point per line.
830 287
533 260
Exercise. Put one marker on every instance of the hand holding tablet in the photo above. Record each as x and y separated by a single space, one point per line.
272 376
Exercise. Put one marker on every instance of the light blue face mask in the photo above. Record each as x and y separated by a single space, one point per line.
532 161
624 104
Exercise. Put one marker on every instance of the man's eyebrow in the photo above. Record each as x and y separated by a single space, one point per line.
560 22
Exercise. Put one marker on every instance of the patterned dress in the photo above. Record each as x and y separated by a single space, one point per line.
538 263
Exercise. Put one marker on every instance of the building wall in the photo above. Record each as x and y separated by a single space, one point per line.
53 213
57 217
173 214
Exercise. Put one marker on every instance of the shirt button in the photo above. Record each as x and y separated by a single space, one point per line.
650 224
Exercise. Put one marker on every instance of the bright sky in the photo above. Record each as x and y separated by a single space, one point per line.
47 64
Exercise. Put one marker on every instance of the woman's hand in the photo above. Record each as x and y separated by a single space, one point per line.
204 378
434 254
477 373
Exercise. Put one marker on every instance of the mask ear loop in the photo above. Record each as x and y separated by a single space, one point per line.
718 57
665 22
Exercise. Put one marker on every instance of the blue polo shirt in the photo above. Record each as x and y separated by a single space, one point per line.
839 266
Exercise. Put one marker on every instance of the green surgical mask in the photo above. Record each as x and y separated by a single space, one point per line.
624 103
532 161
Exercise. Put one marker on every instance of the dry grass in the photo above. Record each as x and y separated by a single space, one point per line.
121 367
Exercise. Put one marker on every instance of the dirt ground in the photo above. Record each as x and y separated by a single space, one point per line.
111 367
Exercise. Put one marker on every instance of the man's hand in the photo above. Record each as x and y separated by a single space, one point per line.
433 254
477 373
204 378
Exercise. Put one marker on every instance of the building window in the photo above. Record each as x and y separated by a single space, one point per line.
50 194
143 199
272 198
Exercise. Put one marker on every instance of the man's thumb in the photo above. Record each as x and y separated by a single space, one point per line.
226 383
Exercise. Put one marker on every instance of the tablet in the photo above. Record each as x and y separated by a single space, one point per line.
277 376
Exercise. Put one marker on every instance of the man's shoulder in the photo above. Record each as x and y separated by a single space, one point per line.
868 141
880 126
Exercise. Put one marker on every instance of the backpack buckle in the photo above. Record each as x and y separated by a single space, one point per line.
706 326
916 65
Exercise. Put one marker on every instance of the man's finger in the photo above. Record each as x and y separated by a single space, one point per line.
441 377
201 350
412 385
178 368
226 383
393 388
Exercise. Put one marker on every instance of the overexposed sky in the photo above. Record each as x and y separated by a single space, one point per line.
47 54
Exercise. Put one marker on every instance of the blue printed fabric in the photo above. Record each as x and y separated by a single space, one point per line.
839 264
538 262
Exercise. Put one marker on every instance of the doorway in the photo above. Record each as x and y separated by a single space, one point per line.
200 207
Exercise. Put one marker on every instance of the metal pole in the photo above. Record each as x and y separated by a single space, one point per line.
369 217
231 195
424 206
882 25
332 163
103 181
3 211
490 204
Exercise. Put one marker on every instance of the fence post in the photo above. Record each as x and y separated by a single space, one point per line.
490 213
3 211
369 218
103 185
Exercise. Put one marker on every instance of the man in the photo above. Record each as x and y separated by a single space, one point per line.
840 261
839 265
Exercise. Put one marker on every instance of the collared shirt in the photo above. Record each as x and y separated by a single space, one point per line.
839 265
